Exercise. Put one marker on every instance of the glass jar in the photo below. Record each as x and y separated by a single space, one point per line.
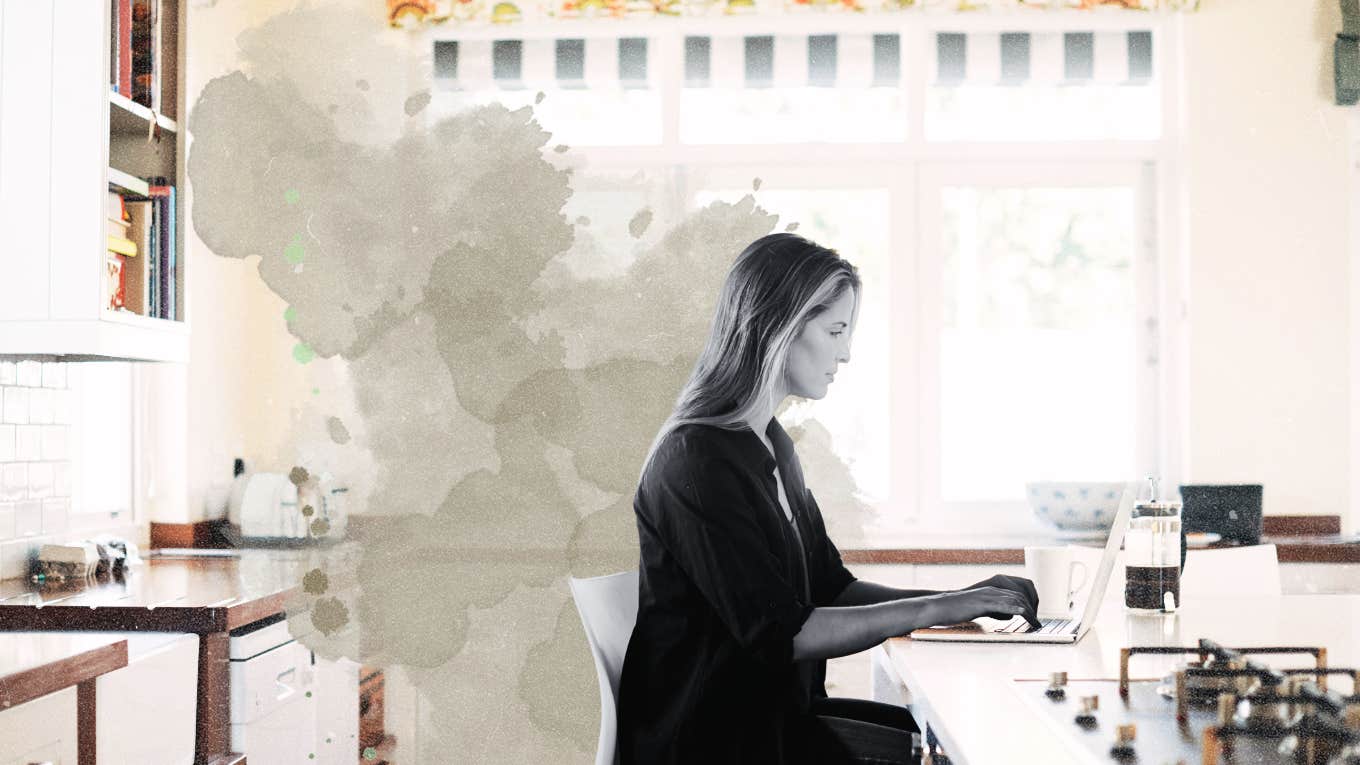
1152 555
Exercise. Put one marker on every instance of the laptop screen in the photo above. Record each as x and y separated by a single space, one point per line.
1112 543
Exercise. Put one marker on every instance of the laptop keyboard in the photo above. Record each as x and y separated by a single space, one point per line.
1046 626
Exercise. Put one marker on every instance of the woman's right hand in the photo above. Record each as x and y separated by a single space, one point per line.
994 602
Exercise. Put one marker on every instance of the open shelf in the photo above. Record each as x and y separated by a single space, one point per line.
127 117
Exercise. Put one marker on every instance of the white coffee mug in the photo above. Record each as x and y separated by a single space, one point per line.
1053 569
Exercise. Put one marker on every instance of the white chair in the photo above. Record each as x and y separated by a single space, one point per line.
1231 571
608 606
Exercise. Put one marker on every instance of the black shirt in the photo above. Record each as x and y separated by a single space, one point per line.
725 584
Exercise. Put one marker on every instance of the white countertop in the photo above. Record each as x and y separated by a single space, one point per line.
965 690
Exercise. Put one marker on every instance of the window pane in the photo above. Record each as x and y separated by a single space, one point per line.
843 114
1037 354
843 439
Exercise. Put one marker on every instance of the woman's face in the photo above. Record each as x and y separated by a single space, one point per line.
822 346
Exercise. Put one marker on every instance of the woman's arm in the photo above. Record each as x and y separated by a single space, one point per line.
865 593
842 630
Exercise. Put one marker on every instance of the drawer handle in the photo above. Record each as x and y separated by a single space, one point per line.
284 683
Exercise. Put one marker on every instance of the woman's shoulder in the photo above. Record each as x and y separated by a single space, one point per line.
687 446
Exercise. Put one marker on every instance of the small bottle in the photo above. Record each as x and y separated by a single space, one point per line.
1152 554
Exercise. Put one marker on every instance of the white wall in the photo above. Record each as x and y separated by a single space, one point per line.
1269 184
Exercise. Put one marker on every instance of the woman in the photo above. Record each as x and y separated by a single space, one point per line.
742 596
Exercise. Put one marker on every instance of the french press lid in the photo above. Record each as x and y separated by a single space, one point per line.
1154 508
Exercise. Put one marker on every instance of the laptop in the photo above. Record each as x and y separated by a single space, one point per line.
1053 630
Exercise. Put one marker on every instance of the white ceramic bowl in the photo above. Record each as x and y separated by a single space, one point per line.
1076 505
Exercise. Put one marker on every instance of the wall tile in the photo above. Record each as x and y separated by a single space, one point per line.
41 480
62 479
14 482
53 375
54 515
16 406
28 518
40 403
6 520
9 373
7 443
55 442
28 443
61 407
30 374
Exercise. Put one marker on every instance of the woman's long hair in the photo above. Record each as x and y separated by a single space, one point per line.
776 285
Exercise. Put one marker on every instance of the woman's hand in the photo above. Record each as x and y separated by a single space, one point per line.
993 602
1018 584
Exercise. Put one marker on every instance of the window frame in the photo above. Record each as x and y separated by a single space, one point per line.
914 161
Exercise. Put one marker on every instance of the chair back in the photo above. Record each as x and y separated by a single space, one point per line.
1231 571
608 606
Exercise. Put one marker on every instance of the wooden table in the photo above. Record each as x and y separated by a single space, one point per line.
206 596
964 692
33 665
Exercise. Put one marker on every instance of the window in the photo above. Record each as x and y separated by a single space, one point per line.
998 188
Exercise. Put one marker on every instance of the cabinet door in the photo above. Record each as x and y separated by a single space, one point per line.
42 730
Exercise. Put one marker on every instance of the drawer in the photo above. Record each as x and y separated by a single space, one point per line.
265 683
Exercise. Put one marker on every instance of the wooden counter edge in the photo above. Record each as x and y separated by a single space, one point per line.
36 682
1291 550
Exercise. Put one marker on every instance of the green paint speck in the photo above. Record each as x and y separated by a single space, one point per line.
370 753
309 694
291 196
289 313
316 391
303 353
294 251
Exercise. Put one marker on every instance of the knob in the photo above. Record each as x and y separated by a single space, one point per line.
1086 718
1123 741
1056 685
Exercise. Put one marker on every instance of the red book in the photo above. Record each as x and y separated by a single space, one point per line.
125 47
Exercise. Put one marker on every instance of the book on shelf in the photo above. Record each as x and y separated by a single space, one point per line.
120 47
152 258
114 285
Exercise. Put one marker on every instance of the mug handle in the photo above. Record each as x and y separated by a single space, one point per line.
1073 589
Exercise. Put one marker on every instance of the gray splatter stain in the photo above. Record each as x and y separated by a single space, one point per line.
339 433
417 103
315 582
428 253
638 225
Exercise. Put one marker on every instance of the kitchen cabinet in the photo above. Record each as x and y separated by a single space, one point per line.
146 709
65 140
40 730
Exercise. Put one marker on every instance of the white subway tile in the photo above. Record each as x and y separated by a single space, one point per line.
53 375
18 558
62 479
30 374
6 520
54 514
28 518
40 402
28 443
14 482
6 443
61 407
40 480
9 373
16 406
55 440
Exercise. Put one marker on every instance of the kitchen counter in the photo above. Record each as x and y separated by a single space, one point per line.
35 665
207 595
981 548
168 594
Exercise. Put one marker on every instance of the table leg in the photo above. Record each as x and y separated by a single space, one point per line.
85 723
213 738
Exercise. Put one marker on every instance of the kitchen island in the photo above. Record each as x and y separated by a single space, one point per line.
53 671
201 594
979 704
